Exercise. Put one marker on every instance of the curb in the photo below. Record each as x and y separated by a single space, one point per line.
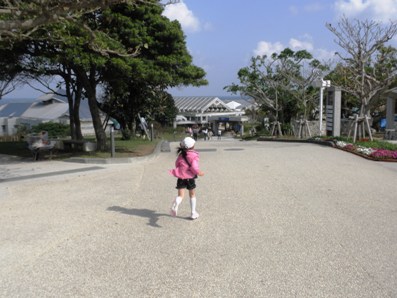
162 146
322 143
328 144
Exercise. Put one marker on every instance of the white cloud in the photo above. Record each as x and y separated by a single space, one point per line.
381 10
268 48
324 55
314 7
293 9
351 7
184 15
385 10
297 45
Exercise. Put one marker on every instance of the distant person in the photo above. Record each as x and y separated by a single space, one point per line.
219 134
44 137
40 140
186 170
195 132
36 143
205 133
189 131
210 134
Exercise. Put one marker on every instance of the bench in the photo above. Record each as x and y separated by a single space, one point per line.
37 146
79 145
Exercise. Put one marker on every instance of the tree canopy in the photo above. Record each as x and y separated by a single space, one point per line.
162 62
20 18
281 81
135 51
368 66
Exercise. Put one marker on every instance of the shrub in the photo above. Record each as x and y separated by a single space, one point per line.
54 129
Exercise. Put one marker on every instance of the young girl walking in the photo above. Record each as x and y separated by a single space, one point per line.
186 170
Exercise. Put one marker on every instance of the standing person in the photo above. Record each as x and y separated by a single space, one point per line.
205 133
186 170
189 131
210 133
219 134
195 132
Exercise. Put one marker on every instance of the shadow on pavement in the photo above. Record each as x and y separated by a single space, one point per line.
151 215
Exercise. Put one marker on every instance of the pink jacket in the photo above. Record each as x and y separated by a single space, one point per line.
182 169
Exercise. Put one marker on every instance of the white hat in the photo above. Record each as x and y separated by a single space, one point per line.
188 142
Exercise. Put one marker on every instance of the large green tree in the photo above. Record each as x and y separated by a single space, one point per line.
301 71
261 81
10 69
122 32
282 83
163 62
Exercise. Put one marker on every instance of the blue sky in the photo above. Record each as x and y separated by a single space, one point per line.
222 35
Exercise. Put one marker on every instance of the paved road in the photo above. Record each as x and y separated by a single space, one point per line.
277 220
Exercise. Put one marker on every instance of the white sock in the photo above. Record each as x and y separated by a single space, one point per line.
193 204
178 200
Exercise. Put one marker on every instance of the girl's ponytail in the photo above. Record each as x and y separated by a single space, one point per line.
181 151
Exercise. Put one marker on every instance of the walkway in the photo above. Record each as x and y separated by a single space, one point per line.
277 220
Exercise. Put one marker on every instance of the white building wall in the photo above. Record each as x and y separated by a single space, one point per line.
8 126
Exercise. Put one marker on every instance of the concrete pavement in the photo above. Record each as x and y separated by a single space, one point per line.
277 220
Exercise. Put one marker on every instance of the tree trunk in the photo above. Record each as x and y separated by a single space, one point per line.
89 84
74 106
76 111
71 111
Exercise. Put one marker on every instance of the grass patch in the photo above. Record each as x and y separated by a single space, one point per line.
131 148
15 148
375 144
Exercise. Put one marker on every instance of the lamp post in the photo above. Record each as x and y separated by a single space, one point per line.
323 84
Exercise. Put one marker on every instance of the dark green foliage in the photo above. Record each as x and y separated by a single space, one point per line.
15 149
375 144
132 51
55 130
281 84
137 84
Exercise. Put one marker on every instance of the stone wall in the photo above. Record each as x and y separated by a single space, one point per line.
314 128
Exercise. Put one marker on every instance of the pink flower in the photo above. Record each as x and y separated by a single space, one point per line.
383 153
350 147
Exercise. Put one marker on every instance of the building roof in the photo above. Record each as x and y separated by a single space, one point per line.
233 105
244 102
46 111
200 104
13 109
49 106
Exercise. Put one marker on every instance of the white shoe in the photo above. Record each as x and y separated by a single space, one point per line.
194 215
174 209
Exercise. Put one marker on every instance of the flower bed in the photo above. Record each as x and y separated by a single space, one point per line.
371 153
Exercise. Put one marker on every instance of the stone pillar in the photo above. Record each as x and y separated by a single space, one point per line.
333 111
390 108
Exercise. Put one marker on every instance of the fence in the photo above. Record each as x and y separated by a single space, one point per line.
10 138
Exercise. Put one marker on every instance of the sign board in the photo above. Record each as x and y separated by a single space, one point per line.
333 111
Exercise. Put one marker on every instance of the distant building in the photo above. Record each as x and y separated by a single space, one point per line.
50 107
209 111
239 103
197 109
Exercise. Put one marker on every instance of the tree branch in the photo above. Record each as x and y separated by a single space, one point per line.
22 20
